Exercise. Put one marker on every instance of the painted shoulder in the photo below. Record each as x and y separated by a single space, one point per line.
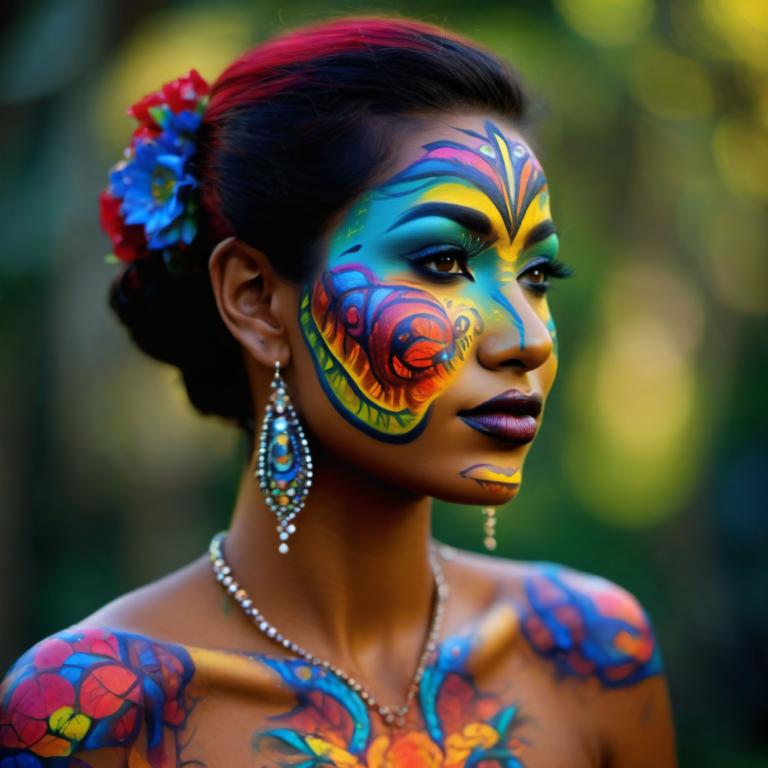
587 626
92 688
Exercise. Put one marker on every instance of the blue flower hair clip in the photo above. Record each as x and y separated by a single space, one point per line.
150 205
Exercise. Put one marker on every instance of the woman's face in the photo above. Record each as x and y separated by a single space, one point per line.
431 301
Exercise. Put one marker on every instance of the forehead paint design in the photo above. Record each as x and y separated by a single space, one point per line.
504 170
386 345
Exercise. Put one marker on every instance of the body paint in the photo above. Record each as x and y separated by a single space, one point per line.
92 689
588 627
330 724
386 342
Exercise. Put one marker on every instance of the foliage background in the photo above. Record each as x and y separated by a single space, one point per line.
651 467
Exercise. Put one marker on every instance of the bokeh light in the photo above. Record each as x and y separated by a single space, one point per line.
166 46
634 446
669 85
609 22
742 25
741 151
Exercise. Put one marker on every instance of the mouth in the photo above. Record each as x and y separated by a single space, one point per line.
509 417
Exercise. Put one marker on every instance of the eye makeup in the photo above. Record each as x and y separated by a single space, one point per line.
460 250
469 218
550 267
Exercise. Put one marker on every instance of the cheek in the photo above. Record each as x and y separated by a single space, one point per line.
384 350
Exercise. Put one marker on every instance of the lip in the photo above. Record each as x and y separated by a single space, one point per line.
510 416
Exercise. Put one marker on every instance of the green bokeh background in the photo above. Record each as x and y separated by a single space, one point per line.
651 467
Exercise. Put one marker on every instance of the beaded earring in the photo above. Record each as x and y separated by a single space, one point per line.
489 528
284 467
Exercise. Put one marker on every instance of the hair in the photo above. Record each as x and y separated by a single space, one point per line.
296 128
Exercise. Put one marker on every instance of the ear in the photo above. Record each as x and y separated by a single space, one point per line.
244 284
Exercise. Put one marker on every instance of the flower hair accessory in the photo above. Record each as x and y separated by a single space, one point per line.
150 204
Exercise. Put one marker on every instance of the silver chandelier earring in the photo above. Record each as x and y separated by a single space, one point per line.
284 467
489 528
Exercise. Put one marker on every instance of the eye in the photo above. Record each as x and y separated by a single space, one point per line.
536 275
450 262
442 262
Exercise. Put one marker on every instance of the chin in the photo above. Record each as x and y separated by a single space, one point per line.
480 493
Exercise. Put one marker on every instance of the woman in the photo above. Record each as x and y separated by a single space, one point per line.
346 248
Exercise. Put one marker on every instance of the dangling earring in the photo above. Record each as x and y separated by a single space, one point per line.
284 466
489 528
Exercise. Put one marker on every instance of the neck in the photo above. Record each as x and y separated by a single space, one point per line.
357 574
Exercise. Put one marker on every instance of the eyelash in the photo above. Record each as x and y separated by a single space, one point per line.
551 268
463 248
466 247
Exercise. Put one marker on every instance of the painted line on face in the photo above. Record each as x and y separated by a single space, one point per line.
505 480
504 170
501 299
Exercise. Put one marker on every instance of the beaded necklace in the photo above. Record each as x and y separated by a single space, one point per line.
391 715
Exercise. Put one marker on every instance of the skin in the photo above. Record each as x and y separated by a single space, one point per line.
538 665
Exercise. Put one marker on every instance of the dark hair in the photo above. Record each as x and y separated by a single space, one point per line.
296 128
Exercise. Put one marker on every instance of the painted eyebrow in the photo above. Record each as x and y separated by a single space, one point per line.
470 218
540 232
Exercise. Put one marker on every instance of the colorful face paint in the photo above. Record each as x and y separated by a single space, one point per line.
590 629
385 350
388 333
502 480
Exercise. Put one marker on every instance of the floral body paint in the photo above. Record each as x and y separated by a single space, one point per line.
94 689
84 691
588 627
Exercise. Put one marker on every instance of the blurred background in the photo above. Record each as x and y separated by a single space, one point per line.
651 466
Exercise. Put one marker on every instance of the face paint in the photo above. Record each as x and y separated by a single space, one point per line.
385 350
502 480
387 332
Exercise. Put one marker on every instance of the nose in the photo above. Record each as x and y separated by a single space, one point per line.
516 336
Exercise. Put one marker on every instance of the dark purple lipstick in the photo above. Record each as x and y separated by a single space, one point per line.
511 416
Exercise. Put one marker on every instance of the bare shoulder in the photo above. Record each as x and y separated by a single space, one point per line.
117 684
168 608
584 633
94 689
583 625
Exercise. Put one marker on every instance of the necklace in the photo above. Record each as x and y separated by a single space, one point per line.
390 715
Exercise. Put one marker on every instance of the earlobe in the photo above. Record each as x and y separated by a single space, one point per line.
244 283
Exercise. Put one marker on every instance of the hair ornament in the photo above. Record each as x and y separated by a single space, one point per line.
150 204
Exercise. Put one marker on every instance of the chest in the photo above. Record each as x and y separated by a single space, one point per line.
455 721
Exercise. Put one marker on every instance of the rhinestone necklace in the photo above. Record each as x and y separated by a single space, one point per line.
390 715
